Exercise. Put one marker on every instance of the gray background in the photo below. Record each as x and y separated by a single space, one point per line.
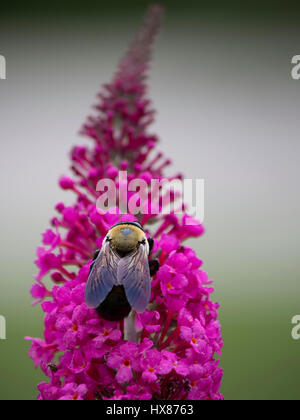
228 112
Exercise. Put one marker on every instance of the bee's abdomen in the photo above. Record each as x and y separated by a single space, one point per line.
116 306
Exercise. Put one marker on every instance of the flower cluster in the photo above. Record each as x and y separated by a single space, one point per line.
84 356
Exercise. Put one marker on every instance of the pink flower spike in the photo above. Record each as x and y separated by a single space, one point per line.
168 351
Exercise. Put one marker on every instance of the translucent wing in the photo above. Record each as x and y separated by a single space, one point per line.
134 275
103 276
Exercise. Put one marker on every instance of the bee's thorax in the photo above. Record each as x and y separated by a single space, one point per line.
125 239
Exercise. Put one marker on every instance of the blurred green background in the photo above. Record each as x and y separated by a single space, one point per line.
228 112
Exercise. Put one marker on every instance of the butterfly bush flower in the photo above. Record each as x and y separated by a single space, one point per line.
83 356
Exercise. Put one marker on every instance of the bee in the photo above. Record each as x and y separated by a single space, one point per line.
120 275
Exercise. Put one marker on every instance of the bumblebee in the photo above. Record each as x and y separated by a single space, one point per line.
120 275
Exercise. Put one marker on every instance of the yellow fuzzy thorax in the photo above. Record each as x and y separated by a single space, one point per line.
126 238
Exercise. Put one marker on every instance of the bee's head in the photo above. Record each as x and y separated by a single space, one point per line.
126 236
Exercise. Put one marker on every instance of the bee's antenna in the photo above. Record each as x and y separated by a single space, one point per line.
139 217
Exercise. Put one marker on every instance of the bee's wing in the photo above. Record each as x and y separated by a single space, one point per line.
102 278
134 275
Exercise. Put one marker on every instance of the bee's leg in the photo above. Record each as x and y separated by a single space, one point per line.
151 244
96 253
154 266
